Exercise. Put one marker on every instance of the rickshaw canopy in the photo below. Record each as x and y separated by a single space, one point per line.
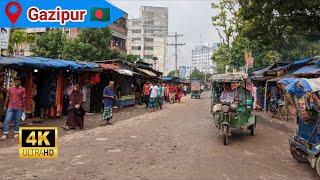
234 77
300 86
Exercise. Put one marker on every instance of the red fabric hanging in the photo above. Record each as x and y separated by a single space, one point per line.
95 78
29 93
59 93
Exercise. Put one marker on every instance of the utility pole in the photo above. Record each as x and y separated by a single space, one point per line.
176 44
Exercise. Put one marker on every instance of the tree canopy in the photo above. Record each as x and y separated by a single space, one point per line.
89 45
272 30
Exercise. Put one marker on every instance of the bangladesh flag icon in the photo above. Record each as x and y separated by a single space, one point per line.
100 14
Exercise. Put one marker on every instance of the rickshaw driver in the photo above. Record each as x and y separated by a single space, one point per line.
228 95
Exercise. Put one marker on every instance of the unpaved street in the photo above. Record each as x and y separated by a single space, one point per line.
178 142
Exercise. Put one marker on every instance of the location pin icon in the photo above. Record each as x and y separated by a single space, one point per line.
13 11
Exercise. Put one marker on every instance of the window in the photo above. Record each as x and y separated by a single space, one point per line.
148 56
148 39
148 48
137 31
135 22
148 31
136 39
136 48
149 22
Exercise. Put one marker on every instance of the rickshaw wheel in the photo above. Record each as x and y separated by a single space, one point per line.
317 167
298 156
225 134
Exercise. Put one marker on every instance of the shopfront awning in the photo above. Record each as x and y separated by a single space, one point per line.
124 72
45 63
147 72
307 70
109 66
116 68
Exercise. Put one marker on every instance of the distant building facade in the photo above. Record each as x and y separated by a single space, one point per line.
201 58
184 72
119 33
118 30
148 36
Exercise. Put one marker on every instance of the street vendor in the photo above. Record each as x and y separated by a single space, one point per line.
109 96
228 95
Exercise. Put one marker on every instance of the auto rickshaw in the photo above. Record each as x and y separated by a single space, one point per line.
195 89
236 115
305 143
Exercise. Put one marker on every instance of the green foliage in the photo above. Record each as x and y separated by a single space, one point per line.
50 44
197 75
172 73
133 58
17 38
90 45
272 30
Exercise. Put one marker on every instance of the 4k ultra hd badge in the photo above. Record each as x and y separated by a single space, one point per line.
58 13
38 142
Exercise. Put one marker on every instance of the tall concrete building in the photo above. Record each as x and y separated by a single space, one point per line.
148 36
201 58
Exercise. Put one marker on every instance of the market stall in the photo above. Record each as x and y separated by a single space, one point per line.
122 74
47 82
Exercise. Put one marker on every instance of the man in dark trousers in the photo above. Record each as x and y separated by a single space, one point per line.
14 106
146 93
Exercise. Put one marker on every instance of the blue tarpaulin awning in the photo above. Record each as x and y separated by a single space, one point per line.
307 70
298 62
46 63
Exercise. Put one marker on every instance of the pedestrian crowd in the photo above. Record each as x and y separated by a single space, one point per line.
154 96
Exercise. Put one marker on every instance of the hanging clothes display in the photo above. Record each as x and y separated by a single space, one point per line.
95 78
2 95
29 103
59 93
47 93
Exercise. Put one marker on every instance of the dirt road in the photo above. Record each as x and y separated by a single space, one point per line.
178 142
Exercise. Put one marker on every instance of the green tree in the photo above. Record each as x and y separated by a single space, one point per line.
50 44
289 27
172 73
17 38
92 45
133 58
197 75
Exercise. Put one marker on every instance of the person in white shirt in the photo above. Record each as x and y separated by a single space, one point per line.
228 95
153 96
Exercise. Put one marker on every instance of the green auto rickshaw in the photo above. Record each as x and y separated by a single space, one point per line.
232 104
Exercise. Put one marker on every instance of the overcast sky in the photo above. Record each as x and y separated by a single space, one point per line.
191 18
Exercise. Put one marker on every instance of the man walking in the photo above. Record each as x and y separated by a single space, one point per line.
146 93
109 97
153 96
161 90
14 106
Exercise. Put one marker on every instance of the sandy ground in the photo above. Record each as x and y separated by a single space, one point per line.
179 142
91 121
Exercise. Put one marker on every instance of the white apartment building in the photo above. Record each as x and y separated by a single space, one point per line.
201 58
148 36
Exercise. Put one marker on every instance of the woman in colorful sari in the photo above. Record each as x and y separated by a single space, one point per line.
75 109
179 93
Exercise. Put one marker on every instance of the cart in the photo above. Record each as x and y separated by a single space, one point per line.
235 116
